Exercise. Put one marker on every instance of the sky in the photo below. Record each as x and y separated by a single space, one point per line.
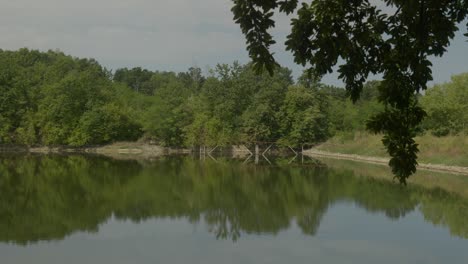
157 34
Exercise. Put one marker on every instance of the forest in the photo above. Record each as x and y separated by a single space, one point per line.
52 99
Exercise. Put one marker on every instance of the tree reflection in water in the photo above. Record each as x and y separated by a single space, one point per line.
50 197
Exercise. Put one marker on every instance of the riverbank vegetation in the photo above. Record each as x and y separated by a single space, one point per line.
49 98
448 150
442 137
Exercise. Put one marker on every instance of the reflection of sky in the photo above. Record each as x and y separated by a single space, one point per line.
346 235
155 34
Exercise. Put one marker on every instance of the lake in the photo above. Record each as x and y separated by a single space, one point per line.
184 209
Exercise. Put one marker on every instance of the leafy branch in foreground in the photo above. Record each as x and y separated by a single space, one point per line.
364 40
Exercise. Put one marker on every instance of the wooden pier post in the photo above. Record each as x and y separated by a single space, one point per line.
257 151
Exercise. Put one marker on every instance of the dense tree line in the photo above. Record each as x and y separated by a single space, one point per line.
48 98
446 106
53 99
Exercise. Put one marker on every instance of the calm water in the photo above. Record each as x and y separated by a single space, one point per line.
86 209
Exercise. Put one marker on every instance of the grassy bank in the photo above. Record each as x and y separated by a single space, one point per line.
449 150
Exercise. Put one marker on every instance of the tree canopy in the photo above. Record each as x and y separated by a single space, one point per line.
48 98
394 38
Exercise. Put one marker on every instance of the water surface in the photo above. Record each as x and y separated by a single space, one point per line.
89 209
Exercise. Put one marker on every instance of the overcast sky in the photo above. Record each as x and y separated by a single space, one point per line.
154 34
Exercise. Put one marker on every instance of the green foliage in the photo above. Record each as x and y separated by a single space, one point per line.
165 122
447 107
53 99
261 121
255 18
237 106
166 117
303 117
147 82
399 130
364 40
104 124
137 79
345 116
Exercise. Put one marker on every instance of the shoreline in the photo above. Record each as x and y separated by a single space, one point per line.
384 161
126 150
143 150
120 149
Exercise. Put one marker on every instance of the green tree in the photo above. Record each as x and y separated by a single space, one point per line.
344 116
138 79
303 117
167 115
260 121
104 124
447 107
363 40
193 78
48 98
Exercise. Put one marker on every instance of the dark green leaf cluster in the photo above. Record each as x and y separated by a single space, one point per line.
255 18
399 130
